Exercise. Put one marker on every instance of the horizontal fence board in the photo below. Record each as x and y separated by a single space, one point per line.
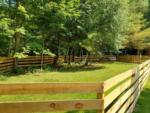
144 64
29 65
6 64
123 98
130 101
6 70
32 65
110 82
40 88
119 90
7 67
24 107
133 97
33 62
6 61
144 71
34 59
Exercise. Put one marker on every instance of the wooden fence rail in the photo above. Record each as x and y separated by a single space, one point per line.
118 94
128 88
132 58
7 64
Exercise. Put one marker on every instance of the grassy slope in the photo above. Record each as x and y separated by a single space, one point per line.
143 105
97 74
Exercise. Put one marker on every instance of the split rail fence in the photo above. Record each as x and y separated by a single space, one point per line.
118 94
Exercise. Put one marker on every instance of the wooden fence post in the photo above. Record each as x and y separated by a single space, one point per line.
15 62
101 96
138 71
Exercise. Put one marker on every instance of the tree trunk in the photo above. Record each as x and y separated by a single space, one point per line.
57 54
81 54
73 55
87 59
9 49
139 54
42 55
16 35
16 42
69 54
10 39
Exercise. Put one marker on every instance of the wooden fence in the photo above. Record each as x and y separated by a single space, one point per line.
132 58
128 87
78 59
34 61
125 58
118 94
7 64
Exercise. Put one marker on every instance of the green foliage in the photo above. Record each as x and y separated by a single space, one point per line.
67 27
138 32
20 55
111 22
19 70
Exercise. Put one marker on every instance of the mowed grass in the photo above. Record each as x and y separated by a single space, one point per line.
93 73
143 104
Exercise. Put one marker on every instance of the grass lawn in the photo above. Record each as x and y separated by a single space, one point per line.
143 105
95 73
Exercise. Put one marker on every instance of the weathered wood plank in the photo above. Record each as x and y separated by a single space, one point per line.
6 64
34 62
39 88
47 106
134 97
29 65
5 68
121 100
120 89
110 82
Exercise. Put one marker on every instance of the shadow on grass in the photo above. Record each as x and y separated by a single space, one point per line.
80 68
143 104
63 69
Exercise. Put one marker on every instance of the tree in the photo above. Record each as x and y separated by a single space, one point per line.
138 32
109 23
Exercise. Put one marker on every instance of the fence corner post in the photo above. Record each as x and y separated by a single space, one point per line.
101 97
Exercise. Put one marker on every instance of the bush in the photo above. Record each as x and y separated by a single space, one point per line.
19 70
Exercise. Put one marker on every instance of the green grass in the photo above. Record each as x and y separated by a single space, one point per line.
94 73
143 104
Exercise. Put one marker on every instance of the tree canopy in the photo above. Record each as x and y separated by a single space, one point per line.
69 27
